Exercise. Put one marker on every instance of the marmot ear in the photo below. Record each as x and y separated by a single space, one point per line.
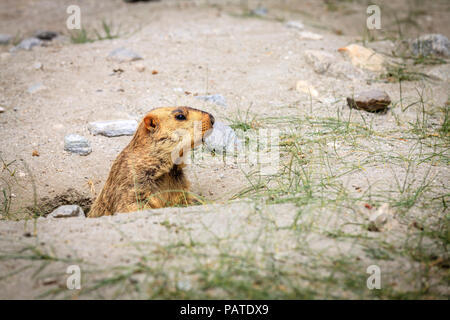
151 122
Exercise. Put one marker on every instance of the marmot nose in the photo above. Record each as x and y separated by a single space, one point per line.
211 118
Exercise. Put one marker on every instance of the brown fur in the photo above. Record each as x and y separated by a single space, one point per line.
145 174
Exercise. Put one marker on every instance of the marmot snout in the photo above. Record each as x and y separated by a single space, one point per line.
148 173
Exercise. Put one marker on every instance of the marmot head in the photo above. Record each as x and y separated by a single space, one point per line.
179 127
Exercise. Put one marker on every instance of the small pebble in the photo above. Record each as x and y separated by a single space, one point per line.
140 67
295 25
5 38
35 88
260 12
124 55
382 219
307 35
38 66
77 144
67 211
215 98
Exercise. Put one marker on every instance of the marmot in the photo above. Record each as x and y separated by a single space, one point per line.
148 173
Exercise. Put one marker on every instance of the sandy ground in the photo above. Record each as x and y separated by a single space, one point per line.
202 48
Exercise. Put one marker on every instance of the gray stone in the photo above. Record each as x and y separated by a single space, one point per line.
45 35
431 44
67 211
36 88
319 60
124 55
345 70
382 219
38 65
27 44
113 128
295 25
223 139
214 98
77 144
260 12
324 62
5 38
307 35
371 100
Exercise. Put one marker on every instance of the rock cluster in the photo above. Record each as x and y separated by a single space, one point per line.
431 44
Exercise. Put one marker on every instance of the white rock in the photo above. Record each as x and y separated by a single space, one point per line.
36 88
77 144
184 285
140 67
223 139
307 35
214 98
113 128
295 25
2 109
67 211
382 219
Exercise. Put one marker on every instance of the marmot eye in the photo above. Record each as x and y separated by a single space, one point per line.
180 117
